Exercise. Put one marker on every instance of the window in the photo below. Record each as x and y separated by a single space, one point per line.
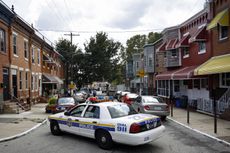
196 83
186 52
39 56
176 85
225 79
2 40
204 83
202 47
36 82
32 50
26 80
77 111
223 32
145 60
121 110
26 48
174 53
92 112
150 61
32 82
20 80
163 88
137 65
15 43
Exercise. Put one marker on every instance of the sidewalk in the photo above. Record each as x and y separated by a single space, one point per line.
203 123
14 125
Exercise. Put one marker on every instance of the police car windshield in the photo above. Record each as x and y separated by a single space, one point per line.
121 110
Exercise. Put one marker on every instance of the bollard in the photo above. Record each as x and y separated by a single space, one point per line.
188 113
171 104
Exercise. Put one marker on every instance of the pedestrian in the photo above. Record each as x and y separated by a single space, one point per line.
94 93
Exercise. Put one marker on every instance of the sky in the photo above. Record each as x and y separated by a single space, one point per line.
120 19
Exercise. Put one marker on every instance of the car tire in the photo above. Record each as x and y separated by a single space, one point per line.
163 118
54 128
104 139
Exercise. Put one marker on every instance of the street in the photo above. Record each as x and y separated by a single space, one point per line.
176 139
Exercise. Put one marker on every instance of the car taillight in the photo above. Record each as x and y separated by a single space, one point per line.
146 107
134 128
167 107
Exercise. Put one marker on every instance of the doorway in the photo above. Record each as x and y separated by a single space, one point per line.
14 83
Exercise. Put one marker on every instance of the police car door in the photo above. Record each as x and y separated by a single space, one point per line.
74 119
89 121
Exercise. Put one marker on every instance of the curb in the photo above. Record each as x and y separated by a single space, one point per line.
23 133
205 134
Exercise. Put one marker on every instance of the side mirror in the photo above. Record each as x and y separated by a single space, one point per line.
67 113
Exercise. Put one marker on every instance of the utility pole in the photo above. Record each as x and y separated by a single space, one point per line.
71 36
69 64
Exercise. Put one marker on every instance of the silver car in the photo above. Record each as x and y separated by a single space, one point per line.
151 105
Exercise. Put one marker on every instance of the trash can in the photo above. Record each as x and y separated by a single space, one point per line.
184 101
178 105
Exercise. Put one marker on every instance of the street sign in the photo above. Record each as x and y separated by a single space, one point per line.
141 73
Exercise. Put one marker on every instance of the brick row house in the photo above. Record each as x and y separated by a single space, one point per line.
191 60
23 64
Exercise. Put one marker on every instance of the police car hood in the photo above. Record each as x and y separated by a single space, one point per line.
136 118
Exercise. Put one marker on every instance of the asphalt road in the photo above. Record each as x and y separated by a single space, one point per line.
176 139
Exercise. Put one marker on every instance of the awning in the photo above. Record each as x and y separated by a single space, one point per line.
215 65
221 18
58 79
166 75
184 73
183 42
178 74
47 78
162 47
171 44
199 35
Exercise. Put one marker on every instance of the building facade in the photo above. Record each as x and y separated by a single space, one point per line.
23 62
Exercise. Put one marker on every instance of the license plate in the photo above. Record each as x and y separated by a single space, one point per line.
157 108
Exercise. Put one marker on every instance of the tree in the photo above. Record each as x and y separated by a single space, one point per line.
69 52
153 36
103 58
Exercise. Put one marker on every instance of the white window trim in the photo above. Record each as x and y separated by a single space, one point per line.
32 54
203 50
20 80
220 34
186 56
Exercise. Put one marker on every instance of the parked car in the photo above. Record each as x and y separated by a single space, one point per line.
61 104
129 98
151 105
108 122
80 96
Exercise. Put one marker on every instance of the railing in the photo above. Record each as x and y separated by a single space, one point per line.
222 104
17 102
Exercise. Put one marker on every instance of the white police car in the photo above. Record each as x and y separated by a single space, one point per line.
108 122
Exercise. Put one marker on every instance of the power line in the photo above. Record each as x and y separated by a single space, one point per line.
70 15
108 31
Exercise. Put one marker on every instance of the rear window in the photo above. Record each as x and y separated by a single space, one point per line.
149 99
64 101
120 110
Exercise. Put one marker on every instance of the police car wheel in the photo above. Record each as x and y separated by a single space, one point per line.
104 139
54 128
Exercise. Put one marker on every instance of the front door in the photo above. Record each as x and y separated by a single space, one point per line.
15 87
6 84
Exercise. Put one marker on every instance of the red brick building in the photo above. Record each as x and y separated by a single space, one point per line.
26 58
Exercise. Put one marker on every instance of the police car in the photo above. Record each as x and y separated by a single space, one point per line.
108 122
